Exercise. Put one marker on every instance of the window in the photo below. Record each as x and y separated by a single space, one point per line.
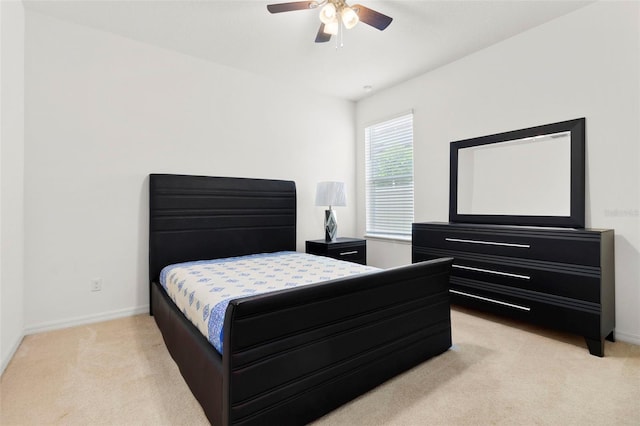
389 177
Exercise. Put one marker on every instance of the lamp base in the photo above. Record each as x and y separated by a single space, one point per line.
330 225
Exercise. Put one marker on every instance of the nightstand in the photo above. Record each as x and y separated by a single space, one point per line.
349 249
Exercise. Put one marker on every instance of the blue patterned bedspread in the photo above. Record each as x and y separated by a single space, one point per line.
202 289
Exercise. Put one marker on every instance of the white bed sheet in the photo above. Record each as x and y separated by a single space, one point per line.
202 289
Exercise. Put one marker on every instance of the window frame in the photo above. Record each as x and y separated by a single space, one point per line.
391 233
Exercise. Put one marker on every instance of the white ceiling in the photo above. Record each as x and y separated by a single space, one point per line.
243 35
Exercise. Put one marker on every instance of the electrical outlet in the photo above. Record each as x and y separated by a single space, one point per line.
96 284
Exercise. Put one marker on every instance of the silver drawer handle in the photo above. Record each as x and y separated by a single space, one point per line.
344 253
490 271
486 299
489 243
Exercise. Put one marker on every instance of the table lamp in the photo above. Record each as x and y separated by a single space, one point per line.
331 194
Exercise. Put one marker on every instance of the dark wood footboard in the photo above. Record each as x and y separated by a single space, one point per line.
292 356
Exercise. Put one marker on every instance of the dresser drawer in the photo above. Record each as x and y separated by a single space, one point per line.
561 246
560 313
541 277
582 283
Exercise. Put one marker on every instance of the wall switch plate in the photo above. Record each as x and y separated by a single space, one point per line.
96 284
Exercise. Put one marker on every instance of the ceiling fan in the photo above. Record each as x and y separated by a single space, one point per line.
332 13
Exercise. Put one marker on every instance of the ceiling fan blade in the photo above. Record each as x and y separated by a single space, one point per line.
322 37
288 7
371 17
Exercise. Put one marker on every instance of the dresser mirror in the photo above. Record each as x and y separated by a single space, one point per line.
532 176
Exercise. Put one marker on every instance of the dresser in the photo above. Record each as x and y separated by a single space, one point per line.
349 249
556 277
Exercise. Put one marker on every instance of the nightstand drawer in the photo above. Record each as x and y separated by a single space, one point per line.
356 254
348 249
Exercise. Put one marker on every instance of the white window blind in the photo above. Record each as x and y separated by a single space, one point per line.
389 177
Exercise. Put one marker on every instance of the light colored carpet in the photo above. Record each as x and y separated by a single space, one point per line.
499 372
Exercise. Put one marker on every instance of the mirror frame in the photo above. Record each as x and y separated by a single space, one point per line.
576 218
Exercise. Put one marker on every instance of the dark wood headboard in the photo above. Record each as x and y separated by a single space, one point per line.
200 217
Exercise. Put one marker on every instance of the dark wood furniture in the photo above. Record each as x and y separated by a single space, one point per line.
293 355
561 278
349 249
498 202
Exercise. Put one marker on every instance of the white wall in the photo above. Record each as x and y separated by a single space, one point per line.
11 179
102 112
584 64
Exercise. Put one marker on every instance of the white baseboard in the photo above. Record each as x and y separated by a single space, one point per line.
89 319
12 352
627 337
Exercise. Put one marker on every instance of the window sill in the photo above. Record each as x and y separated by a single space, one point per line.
389 238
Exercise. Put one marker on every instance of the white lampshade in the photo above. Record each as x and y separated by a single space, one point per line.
349 18
328 13
331 27
331 194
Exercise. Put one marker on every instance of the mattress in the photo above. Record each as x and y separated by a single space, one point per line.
202 289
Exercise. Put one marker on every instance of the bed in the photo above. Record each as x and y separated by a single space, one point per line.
292 355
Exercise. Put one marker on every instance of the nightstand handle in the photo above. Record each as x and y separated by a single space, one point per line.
344 253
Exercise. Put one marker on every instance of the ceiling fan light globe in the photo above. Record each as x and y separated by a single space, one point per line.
349 18
327 13
331 27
